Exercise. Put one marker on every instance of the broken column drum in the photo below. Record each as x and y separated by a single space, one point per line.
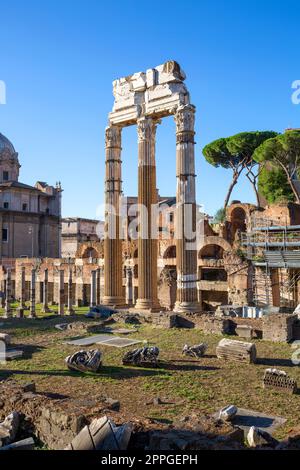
143 99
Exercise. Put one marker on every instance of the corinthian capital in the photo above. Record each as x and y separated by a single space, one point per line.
185 118
146 129
113 136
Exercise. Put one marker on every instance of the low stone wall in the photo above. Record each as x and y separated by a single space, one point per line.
278 327
42 417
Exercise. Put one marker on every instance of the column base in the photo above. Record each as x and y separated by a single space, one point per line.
70 311
115 302
147 305
46 310
31 316
187 307
8 315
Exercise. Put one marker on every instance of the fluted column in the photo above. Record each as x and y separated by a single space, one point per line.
113 293
147 198
186 253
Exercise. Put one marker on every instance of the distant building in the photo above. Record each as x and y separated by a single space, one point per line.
76 230
29 215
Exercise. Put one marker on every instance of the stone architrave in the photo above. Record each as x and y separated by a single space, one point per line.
113 292
61 286
32 312
70 309
7 310
147 199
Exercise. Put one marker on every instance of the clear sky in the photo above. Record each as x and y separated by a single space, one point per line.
58 60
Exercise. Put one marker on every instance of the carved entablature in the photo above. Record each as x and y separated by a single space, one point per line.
158 92
113 136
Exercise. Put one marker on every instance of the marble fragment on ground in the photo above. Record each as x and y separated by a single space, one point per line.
88 341
119 342
245 419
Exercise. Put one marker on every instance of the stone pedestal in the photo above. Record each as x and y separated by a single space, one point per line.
147 199
70 310
61 286
7 310
32 312
186 246
113 294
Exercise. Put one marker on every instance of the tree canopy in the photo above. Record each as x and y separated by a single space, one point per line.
283 151
236 153
274 186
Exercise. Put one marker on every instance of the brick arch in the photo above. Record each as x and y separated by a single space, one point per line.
170 252
215 240
95 247
246 207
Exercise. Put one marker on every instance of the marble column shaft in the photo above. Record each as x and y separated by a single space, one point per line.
7 310
93 289
113 292
185 211
70 309
23 290
98 286
129 286
147 199
32 312
45 291
61 287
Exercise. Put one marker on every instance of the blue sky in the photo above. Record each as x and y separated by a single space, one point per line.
58 60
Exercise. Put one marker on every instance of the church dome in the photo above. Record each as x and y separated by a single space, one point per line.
5 144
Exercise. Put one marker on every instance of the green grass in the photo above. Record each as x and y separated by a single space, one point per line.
202 386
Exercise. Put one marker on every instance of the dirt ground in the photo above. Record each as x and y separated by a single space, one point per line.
184 385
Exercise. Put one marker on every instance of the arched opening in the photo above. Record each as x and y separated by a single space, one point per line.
238 220
211 251
212 284
90 253
170 252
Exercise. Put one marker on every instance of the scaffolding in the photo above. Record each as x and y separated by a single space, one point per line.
270 247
